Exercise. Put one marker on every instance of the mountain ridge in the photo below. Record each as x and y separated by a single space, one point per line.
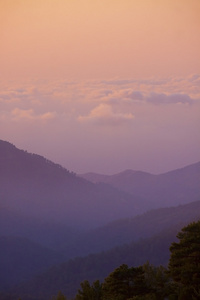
143 226
175 187
39 187
132 171
68 276
35 185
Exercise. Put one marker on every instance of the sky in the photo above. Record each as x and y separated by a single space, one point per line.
102 86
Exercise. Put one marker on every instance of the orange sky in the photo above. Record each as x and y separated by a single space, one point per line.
98 39
102 85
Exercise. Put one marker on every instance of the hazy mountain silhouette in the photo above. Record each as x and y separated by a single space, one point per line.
47 204
145 237
36 186
68 276
21 259
172 188
50 234
124 231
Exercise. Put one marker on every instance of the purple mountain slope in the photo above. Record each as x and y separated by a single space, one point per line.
172 188
35 186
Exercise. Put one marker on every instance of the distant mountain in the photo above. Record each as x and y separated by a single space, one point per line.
21 259
128 230
172 188
50 234
143 226
68 276
44 205
35 186
125 177
132 241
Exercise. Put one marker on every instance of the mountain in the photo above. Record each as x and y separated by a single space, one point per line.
21 259
50 234
132 241
150 244
172 188
143 226
68 276
35 186
43 206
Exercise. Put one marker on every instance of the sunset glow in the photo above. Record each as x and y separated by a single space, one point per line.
102 85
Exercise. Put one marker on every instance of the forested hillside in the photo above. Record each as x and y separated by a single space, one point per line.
26 261
180 280
142 226
67 276
131 277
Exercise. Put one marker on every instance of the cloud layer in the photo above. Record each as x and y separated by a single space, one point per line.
149 119
112 102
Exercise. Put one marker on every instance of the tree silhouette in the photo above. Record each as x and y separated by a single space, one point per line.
184 264
124 283
89 292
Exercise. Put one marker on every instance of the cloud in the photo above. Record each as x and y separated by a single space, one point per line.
4 96
104 115
118 81
121 97
115 100
194 78
18 114
135 95
169 99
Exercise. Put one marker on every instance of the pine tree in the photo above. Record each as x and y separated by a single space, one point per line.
184 264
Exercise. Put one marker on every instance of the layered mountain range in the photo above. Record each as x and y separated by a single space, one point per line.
33 185
171 188
49 215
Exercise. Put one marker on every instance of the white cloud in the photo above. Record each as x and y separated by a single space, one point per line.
104 115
